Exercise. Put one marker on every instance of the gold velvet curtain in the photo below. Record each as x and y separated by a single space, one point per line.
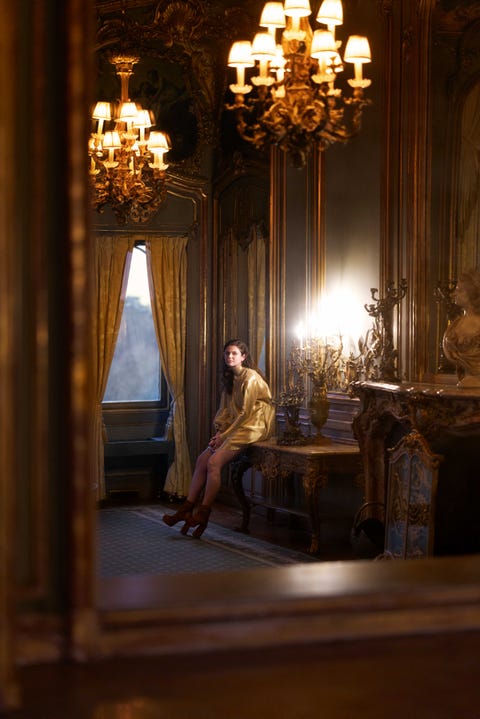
167 274
113 255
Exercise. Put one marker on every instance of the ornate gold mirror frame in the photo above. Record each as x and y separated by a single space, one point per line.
348 601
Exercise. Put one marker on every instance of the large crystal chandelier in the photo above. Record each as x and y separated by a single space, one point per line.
295 104
127 169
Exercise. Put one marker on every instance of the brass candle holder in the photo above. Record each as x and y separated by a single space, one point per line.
320 363
291 400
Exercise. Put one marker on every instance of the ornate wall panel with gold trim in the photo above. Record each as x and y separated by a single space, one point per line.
241 255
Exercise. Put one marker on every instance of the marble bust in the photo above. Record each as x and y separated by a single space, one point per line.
461 341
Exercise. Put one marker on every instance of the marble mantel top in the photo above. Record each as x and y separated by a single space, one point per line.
425 389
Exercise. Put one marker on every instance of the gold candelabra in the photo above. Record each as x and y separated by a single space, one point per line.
318 360
321 364
378 355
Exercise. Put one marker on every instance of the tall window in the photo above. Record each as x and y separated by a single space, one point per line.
135 374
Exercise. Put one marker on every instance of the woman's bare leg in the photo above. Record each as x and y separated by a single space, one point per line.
207 474
215 464
199 476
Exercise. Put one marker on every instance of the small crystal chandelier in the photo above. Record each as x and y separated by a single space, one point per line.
296 105
127 170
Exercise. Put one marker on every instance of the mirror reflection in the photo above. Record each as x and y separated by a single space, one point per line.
237 241
249 240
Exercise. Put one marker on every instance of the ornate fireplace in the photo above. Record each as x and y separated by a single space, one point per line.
420 445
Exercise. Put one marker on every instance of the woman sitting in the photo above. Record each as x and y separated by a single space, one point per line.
246 414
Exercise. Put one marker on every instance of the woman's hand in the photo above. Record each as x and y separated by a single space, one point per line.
216 441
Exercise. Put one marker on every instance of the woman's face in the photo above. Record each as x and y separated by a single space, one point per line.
233 357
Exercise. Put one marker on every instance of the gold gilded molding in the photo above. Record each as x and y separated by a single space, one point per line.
406 236
300 226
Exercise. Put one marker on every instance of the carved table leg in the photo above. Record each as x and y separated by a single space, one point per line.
238 469
312 483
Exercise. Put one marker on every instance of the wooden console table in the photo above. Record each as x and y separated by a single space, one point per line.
315 463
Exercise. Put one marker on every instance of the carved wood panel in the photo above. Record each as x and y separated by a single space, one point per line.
412 486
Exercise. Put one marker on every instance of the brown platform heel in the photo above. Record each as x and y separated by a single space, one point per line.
183 513
200 520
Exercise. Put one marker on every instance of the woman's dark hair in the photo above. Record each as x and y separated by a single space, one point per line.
227 373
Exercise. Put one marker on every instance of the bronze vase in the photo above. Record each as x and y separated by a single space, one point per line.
319 406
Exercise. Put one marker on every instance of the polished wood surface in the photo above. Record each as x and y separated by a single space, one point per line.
317 602
429 677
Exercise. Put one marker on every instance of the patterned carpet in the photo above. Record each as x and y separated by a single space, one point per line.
134 540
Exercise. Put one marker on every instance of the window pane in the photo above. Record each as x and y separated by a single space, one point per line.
135 371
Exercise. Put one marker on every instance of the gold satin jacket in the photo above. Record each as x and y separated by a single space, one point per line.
247 415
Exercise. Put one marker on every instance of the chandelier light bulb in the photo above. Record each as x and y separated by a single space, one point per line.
158 145
128 113
263 46
102 113
240 57
241 54
323 45
111 141
143 119
272 16
357 51
297 8
158 142
324 49
330 14
264 49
